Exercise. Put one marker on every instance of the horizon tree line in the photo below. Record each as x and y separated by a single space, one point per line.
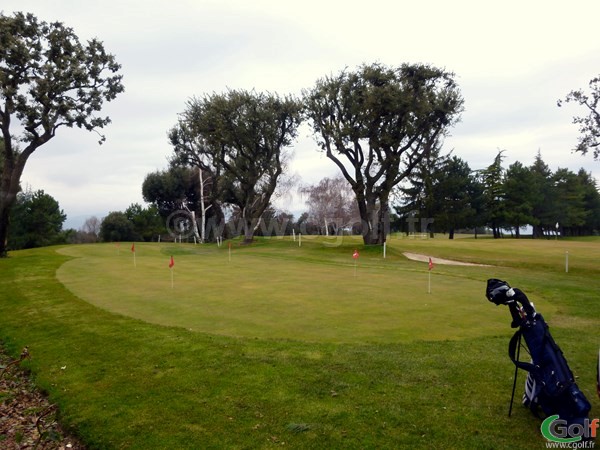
377 123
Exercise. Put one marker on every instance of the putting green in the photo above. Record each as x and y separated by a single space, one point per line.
284 292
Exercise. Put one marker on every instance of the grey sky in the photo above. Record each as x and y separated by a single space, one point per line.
512 60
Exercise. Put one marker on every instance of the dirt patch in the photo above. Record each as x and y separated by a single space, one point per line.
450 262
27 419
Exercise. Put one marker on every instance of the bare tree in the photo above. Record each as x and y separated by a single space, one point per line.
331 203
91 226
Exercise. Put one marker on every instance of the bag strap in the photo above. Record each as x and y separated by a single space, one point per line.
512 349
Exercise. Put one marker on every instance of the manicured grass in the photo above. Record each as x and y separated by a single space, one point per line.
285 292
285 345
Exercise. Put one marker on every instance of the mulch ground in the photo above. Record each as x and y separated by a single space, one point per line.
27 419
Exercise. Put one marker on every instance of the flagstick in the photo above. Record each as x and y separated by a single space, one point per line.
171 278
429 284
230 252
355 266
134 264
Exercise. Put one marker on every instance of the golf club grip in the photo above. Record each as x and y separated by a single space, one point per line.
525 303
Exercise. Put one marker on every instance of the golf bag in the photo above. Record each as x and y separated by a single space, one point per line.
550 386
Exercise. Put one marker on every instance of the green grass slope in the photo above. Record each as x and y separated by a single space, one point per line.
285 346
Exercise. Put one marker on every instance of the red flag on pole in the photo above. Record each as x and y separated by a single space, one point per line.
430 264
355 254
133 247
171 263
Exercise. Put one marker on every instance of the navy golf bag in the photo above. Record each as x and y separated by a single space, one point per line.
550 386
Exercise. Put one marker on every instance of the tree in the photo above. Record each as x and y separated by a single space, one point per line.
570 201
91 227
542 197
37 221
493 177
591 198
190 149
116 227
376 124
48 80
88 233
589 126
147 222
519 197
246 134
175 193
331 203
452 195
417 194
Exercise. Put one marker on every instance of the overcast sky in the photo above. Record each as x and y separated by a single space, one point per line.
513 60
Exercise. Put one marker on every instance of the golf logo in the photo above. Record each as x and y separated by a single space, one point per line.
575 435
180 224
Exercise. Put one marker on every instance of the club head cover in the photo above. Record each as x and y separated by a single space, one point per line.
498 291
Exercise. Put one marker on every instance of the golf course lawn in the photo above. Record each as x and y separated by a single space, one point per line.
275 344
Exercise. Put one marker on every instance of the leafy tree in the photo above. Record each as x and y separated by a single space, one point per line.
147 222
245 134
175 193
116 227
37 221
48 80
170 190
519 198
589 126
190 149
376 124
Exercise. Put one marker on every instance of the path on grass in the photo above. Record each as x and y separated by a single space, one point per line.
425 258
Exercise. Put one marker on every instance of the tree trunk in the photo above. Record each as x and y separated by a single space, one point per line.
248 231
202 209
4 213
375 222
9 187
451 233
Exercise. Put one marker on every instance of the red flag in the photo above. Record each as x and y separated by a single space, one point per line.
355 254
133 247
171 263
430 264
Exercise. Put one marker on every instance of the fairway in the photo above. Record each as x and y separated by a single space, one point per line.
282 291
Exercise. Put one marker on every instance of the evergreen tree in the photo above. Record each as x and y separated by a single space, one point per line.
454 208
492 178
36 220
518 201
542 197
569 202
591 200
417 196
